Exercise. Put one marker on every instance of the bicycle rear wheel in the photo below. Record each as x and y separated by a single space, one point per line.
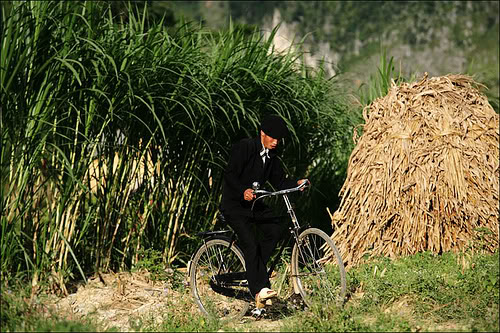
317 268
218 281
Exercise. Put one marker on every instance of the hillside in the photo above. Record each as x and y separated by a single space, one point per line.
434 37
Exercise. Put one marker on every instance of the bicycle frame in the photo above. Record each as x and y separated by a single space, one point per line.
218 273
295 229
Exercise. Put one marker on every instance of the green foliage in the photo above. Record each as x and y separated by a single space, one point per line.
379 84
175 317
458 31
66 326
325 318
19 312
189 322
426 292
437 284
342 23
457 288
151 261
84 90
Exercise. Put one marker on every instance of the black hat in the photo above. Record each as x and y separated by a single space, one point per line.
274 126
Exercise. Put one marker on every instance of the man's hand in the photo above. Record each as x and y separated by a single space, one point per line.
302 181
248 194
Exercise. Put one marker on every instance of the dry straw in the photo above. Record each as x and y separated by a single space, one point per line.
424 175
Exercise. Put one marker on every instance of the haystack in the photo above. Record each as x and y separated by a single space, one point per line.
424 175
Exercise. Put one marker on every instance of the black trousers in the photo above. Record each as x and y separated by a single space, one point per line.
257 248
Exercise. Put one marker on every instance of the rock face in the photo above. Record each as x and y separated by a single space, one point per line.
433 37
287 38
424 174
348 38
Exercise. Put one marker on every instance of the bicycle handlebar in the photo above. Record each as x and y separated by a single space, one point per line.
264 193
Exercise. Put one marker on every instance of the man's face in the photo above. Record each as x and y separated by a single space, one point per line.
267 141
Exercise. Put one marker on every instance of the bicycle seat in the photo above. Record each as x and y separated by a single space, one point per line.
220 227
213 233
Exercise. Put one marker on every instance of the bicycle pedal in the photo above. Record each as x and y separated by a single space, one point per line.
257 312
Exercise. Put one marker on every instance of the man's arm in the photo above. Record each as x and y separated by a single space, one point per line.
278 177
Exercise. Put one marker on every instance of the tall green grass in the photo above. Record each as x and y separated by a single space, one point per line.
380 82
89 100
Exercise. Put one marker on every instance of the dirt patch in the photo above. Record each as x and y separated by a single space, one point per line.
114 300
125 300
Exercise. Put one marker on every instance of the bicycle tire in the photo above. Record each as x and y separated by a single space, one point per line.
214 296
318 278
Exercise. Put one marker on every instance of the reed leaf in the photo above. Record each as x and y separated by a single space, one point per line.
115 133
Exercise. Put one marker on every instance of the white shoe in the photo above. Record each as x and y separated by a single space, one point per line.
263 297
266 293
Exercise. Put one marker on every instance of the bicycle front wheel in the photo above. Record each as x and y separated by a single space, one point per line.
218 280
317 268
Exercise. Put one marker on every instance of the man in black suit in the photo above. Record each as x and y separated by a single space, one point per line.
255 160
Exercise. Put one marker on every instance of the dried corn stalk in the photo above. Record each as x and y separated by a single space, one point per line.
424 175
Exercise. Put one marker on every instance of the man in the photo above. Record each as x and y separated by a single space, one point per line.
255 160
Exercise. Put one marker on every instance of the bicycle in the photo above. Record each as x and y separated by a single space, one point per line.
216 271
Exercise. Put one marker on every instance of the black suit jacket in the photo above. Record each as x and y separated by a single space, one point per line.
244 167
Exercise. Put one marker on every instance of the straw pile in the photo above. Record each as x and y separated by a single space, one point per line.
424 175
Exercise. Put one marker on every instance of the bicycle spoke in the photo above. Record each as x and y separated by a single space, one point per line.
318 278
215 288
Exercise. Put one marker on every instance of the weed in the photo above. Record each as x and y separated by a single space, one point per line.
151 261
424 290
19 312
180 317
448 292
329 318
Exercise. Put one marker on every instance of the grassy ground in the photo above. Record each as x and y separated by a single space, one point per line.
450 292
